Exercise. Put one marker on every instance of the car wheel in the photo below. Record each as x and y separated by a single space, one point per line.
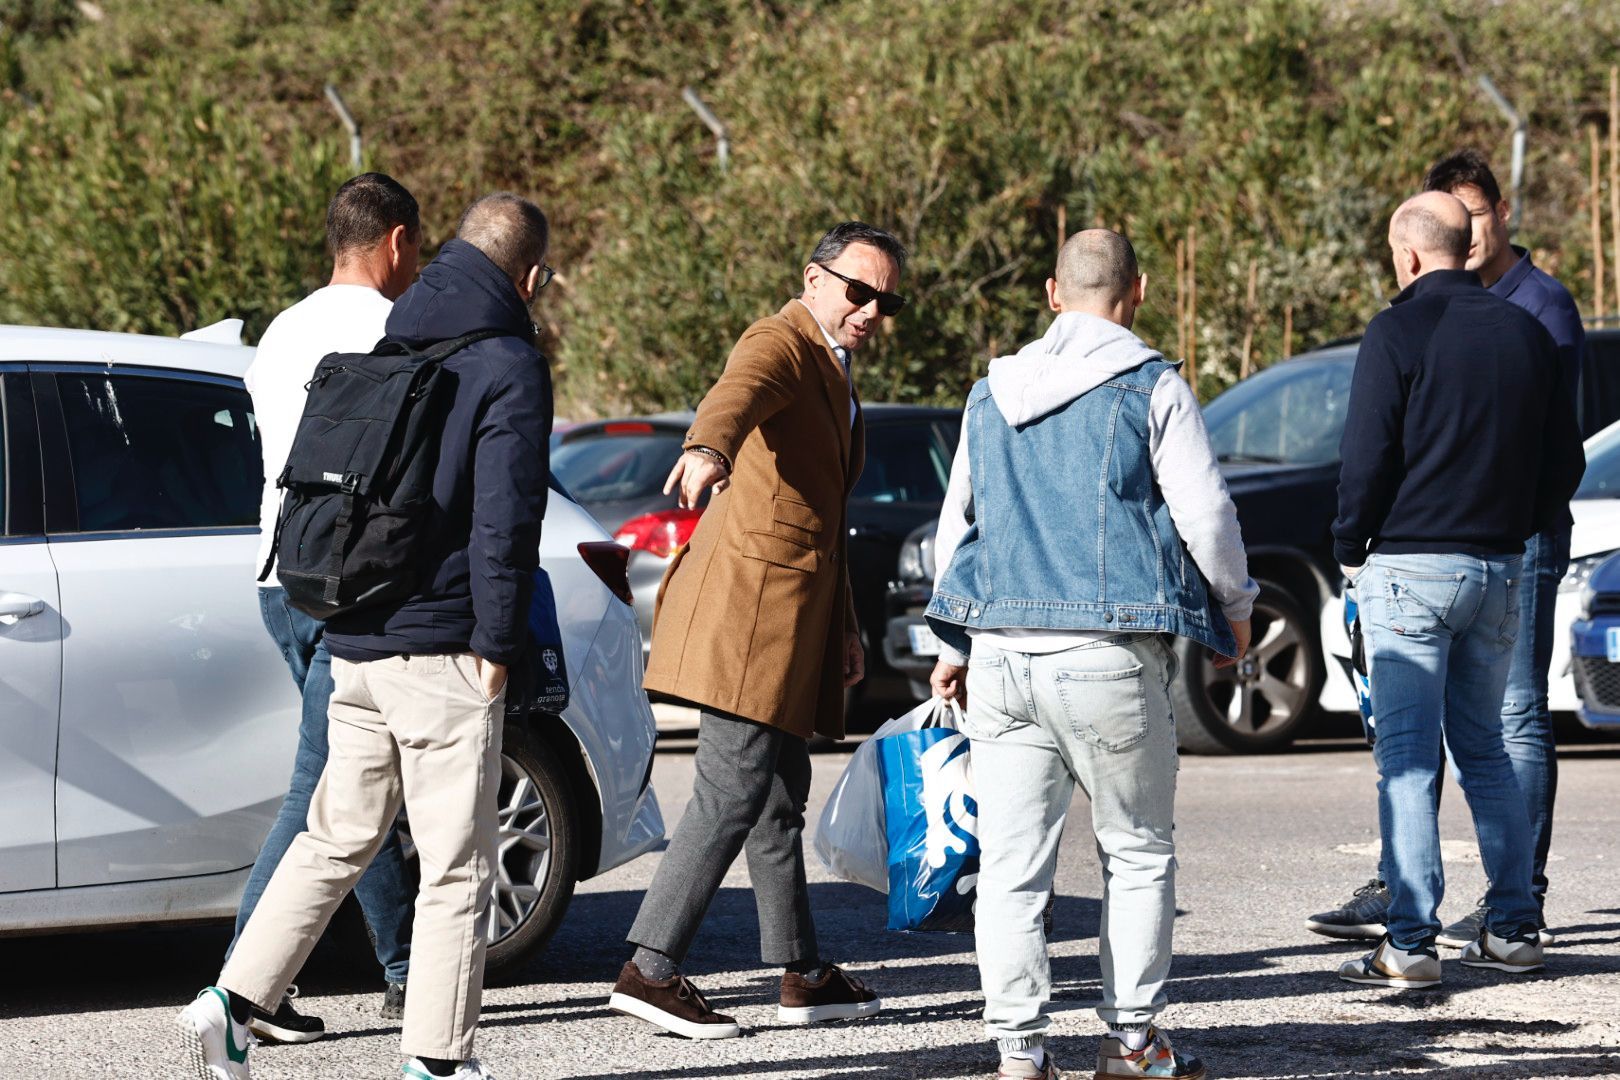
536 853
1262 702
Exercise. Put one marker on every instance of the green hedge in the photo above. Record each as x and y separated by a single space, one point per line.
168 165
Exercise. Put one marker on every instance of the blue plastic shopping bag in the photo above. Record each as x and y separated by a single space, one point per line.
931 818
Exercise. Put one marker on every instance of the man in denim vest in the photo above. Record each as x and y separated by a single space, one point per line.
1086 523
1460 443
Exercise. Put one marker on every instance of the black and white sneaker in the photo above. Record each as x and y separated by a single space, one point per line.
1465 931
1361 916
393 1006
286 1024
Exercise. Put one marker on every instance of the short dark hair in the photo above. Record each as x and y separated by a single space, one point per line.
839 237
508 228
366 209
1462 168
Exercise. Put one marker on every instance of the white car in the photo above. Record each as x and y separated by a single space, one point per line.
147 721
1596 536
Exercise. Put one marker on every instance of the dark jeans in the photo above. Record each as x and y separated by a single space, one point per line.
1527 728
385 891
749 795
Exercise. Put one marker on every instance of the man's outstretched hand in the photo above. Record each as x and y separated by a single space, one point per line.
694 472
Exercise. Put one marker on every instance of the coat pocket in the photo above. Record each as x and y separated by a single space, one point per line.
795 520
773 549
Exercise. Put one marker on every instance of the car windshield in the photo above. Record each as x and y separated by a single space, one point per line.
1602 479
1290 414
605 468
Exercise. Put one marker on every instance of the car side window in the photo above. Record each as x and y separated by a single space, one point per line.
904 463
161 453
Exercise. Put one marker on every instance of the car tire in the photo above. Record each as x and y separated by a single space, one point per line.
1261 705
537 852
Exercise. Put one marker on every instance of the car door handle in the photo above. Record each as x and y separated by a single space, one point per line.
18 605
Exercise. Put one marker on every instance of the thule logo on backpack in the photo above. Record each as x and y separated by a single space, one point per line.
332 477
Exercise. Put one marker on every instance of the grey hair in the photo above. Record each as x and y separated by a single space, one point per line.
1097 262
839 237
508 228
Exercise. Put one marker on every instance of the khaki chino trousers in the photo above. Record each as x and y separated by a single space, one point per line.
416 729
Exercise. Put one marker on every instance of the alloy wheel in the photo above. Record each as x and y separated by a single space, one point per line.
1271 686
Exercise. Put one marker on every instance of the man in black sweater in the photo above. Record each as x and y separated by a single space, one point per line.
1460 443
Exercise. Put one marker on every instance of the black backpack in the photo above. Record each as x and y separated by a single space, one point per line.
359 479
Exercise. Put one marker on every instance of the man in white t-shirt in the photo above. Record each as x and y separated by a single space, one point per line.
373 232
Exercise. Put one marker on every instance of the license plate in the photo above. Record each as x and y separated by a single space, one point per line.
1612 640
925 643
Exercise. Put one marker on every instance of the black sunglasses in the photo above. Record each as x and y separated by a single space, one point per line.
860 294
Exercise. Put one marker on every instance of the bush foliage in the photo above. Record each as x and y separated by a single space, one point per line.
168 164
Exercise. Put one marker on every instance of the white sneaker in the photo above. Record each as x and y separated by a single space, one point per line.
1516 955
1393 967
216 1045
471 1069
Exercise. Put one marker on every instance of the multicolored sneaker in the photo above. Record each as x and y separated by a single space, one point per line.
1157 1058
1516 954
216 1046
1394 967
1020 1068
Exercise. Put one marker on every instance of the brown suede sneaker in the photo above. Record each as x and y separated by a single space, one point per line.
673 1004
837 995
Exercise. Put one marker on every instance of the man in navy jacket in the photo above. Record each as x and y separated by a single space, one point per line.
419 696
1460 443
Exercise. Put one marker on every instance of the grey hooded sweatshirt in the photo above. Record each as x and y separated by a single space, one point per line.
1078 353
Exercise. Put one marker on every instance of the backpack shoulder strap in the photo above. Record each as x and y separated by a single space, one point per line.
445 349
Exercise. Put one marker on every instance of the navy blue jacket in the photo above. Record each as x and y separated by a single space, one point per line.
1545 297
1461 435
477 572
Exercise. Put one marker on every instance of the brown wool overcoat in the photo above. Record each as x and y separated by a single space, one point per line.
752 612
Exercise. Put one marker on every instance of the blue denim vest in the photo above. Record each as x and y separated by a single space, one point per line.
1070 531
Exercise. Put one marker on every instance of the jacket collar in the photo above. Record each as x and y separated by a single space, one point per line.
1439 282
1509 282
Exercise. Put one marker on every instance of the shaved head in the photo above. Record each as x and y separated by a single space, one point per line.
1097 265
1435 225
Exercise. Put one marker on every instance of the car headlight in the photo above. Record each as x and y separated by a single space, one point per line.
1587 596
1580 571
917 558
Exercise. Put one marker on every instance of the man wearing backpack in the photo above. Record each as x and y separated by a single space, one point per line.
420 681
373 233
1085 526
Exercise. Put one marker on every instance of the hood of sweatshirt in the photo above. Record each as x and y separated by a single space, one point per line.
461 291
1078 353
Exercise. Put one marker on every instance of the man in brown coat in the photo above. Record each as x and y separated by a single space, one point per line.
756 627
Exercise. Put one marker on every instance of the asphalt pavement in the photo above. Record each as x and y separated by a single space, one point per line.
1262 842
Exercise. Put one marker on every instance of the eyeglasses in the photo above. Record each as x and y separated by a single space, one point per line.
860 294
546 274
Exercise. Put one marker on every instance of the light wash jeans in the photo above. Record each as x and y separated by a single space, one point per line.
1097 715
1440 631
